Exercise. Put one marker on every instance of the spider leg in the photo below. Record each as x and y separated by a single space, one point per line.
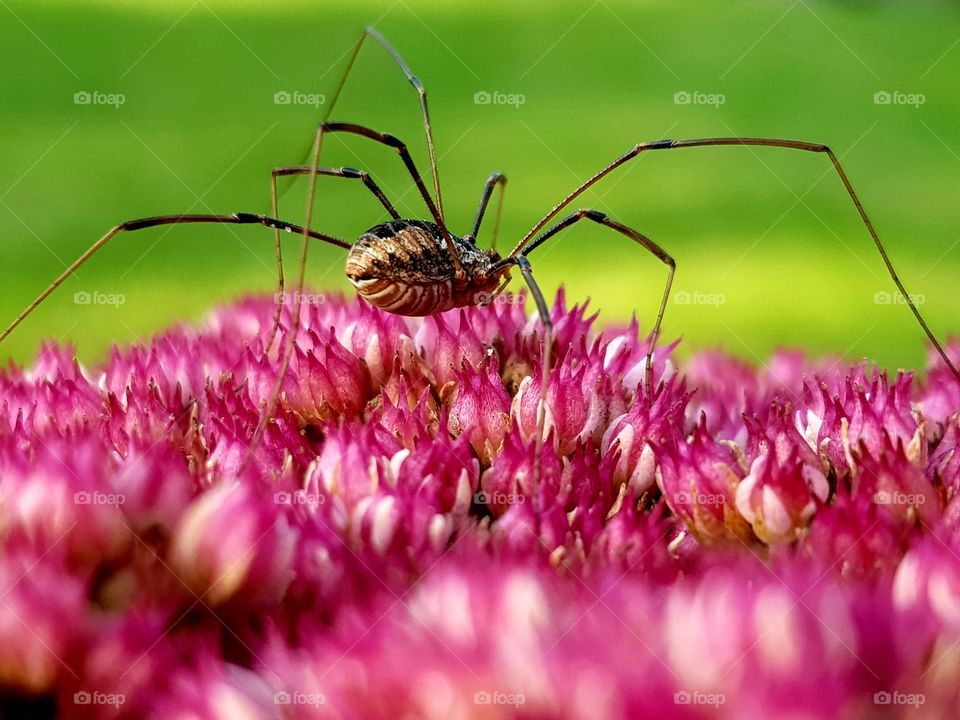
523 264
401 148
314 170
345 172
527 272
414 81
143 223
644 241
436 209
494 180
758 142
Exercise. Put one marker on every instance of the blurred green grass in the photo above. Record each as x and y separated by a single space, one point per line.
199 131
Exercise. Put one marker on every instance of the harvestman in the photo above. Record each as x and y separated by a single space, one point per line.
417 268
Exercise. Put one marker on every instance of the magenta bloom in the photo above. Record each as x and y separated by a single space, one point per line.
699 479
728 543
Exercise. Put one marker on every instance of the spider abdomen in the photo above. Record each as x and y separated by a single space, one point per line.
404 267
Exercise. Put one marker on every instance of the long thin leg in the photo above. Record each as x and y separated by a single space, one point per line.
524 265
762 142
401 148
143 223
417 85
494 180
295 311
344 172
521 261
644 241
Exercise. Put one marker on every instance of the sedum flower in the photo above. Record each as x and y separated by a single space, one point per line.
943 466
785 482
745 540
328 381
479 406
632 433
578 399
941 396
449 348
376 338
699 479
230 545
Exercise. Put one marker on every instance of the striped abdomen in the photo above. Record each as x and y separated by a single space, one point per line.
403 266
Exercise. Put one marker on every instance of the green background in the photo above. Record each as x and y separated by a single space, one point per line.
771 231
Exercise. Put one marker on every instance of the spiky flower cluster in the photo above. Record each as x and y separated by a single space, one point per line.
730 543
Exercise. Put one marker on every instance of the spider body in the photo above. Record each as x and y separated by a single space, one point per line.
405 267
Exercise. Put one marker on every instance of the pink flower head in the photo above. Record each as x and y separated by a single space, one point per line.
879 410
854 537
631 434
785 482
449 348
328 380
578 396
699 479
944 464
509 483
229 545
43 621
941 397
799 549
625 361
726 387
895 482
377 338
822 421
479 408
409 417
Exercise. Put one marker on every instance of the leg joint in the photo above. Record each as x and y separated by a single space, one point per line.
245 218
393 141
655 145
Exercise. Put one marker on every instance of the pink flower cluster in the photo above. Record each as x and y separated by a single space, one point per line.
742 544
